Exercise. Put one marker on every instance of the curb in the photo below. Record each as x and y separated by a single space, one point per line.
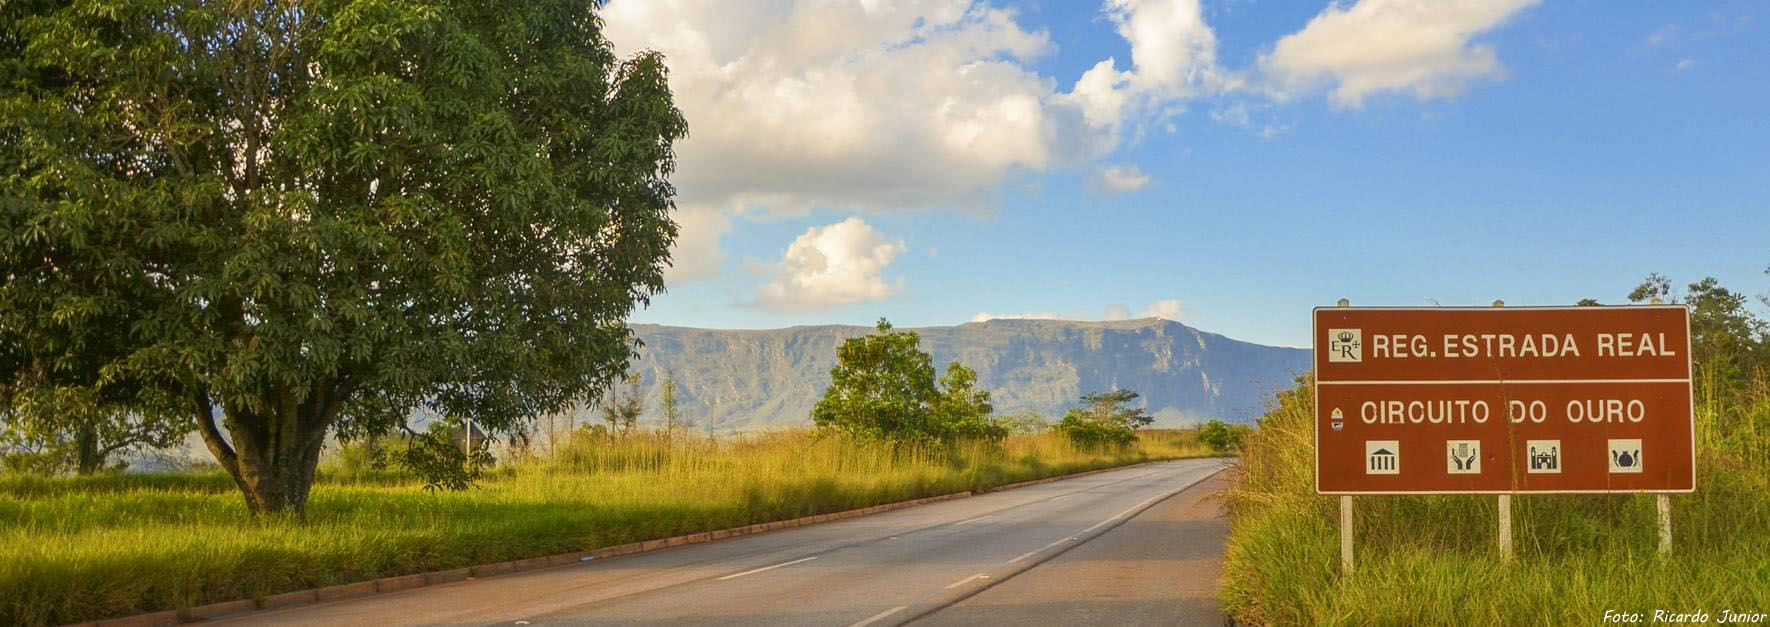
419 580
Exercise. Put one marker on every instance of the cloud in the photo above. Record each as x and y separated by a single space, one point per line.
1233 115
833 265
1684 65
1418 46
1119 179
1663 35
795 105
696 254
984 316
1170 309
1173 58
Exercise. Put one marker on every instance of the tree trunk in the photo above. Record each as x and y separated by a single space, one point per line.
86 449
276 474
271 456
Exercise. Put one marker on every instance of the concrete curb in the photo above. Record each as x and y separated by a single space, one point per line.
418 580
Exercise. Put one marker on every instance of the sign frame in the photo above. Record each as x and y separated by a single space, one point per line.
1316 414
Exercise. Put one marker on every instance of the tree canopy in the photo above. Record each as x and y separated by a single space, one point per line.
315 217
1105 418
883 386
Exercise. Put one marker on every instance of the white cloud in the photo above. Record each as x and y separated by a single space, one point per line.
1663 35
1418 46
696 254
1234 115
833 265
1684 65
984 316
795 104
1173 58
1170 309
1119 179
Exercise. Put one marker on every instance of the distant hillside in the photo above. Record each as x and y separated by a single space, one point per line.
758 379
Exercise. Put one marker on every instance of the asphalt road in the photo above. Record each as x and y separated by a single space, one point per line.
1139 545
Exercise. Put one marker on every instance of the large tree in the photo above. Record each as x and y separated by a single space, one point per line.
316 216
883 386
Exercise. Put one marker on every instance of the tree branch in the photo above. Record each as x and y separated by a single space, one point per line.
218 446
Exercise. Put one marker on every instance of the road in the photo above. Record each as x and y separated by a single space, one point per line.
1138 545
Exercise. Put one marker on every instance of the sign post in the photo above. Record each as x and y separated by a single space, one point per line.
1503 400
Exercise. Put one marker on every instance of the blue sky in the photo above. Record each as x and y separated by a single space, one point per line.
941 160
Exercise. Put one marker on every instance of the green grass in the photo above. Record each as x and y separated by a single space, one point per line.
74 549
1432 560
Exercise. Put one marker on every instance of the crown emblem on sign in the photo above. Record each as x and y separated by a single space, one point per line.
1345 336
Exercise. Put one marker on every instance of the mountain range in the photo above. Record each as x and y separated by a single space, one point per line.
743 380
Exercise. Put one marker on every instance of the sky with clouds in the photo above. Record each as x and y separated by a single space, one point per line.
1229 164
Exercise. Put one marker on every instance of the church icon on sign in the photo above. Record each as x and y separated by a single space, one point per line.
1382 457
1542 457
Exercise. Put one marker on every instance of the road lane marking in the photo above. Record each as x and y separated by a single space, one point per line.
962 582
880 615
1129 510
1061 497
752 572
962 522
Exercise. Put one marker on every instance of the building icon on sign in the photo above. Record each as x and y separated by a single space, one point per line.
1542 456
1382 457
1464 457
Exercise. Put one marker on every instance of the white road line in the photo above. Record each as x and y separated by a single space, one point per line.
962 582
880 615
1059 498
1035 551
964 522
1127 511
752 572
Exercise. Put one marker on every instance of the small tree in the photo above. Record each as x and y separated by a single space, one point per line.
672 412
1114 408
68 429
883 386
621 409
1104 418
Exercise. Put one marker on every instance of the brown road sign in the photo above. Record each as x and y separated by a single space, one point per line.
1499 400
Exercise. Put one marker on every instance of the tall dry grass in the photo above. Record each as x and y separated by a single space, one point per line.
1433 560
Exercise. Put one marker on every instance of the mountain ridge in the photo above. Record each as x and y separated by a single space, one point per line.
749 379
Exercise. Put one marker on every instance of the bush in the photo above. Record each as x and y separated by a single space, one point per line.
1223 437
1093 434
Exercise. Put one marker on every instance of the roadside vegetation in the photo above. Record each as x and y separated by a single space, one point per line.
101 545
80 548
1433 560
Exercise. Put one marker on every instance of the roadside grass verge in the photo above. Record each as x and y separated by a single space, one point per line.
79 549
1433 560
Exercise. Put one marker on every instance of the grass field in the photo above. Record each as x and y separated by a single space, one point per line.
1432 560
75 549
